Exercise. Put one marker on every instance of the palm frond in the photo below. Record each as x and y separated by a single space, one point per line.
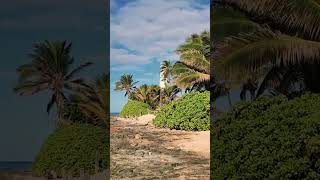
186 80
291 16
252 52
30 88
195 60
226 21
78 69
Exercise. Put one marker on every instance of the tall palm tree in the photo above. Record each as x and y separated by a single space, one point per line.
283 47
126 84
50 70
94 101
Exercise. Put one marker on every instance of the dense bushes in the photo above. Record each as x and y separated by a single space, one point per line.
190 112
270 138
73 148
134 109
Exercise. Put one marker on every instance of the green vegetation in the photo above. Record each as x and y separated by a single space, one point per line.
190 112
82 109
135 109
191 73
267 47
269 138
148 94
73 148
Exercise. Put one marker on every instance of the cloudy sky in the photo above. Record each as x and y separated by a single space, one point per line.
24 121
145 32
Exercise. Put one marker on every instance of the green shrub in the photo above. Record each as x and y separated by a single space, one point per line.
134 109
190 112
270 138
71 149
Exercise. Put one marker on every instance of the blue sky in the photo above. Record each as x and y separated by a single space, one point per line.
145 32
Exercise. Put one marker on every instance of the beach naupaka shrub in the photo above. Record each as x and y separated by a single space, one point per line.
135 109
190 112
269 138
72 149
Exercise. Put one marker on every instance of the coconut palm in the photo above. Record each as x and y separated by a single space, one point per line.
285 40
127 84
50 70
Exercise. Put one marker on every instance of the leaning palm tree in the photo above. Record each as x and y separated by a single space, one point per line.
94 101
50 70
126 84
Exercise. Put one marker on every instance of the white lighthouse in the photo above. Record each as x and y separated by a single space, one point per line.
162 81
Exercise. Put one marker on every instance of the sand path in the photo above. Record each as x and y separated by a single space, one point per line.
141 151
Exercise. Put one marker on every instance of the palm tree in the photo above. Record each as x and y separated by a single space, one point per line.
193 68
94 101
169 93
126 84
280 50
50 70
142 93
166 70
147 94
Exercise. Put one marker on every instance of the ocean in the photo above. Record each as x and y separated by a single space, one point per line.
114 114
15 166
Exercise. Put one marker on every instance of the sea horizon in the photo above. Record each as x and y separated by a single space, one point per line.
15 166
115 114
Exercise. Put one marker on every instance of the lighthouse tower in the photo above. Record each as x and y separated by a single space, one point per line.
162 81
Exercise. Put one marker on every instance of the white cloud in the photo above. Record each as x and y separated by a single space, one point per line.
123 57
126 68
155 28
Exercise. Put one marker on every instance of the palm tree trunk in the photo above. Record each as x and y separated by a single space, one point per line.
229 99
160 100
60 109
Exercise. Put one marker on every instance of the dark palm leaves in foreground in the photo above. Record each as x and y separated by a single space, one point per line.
50 70
278 44
94 101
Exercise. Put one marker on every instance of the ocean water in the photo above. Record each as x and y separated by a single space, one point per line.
114 114
15 166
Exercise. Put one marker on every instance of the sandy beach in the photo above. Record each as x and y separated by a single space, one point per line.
141 151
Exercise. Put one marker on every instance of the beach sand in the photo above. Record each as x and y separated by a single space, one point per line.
141 151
